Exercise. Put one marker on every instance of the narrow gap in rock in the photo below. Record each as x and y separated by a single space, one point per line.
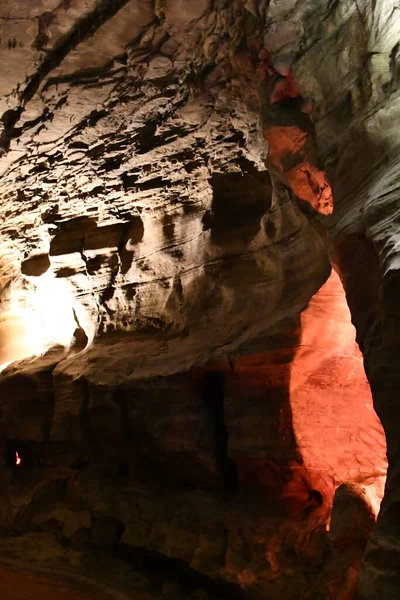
213 396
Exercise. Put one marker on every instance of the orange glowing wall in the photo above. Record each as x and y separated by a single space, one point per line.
338 433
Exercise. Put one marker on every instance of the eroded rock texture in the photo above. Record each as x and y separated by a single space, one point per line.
164 222
136 195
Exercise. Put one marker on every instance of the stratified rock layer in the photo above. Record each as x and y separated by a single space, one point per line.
140 196
160 236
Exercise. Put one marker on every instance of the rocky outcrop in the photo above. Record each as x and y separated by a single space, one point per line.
164 222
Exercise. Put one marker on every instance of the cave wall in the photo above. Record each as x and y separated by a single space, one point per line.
168 172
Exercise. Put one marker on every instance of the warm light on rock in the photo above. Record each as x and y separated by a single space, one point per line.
38 318
337 430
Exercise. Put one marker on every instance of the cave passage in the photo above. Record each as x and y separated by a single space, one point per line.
213 396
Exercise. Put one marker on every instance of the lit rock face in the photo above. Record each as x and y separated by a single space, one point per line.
160 190
138 212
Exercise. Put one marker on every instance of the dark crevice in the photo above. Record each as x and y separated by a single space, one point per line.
119 398
148 139
144 138
133 234
87 430
35 265
112 163
150 184
316 497
213 396
105 536
89 75
129 181
80 339
42 37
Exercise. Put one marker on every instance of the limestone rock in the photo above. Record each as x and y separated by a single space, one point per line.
168 170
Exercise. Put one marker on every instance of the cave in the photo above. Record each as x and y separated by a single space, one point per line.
199 324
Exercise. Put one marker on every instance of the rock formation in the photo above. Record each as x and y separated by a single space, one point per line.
180 382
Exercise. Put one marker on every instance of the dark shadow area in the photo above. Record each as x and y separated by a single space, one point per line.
70 235
213 393
159 569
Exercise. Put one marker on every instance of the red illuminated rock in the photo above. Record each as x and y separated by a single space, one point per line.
331 401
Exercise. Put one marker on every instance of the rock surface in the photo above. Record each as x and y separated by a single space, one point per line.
359 146
336 427
164 222
225 468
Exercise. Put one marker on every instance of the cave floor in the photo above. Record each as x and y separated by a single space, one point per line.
25 585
